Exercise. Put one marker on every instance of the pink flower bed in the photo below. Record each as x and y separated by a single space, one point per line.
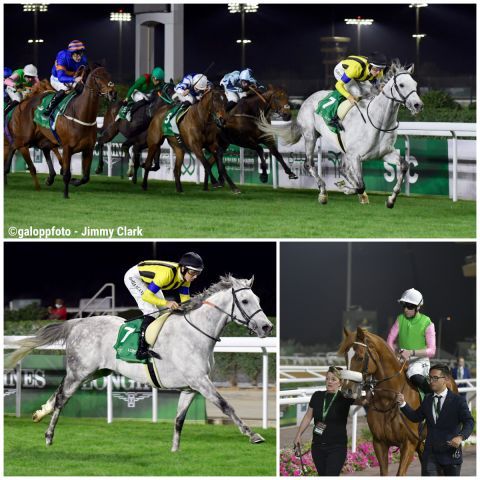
363 458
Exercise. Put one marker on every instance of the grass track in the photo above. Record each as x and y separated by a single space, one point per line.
91 447
259 212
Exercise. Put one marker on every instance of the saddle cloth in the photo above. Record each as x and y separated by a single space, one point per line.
38 117
172 120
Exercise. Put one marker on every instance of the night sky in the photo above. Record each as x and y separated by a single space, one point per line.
74 270
286 37
313 287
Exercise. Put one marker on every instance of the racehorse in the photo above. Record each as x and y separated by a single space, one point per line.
20 134
241 126
135 131
369 132
184 346
76 128
199 129
382 375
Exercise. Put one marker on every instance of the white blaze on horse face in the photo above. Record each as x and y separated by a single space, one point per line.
350 354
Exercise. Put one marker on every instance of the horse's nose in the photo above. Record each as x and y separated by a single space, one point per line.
418 106
267 329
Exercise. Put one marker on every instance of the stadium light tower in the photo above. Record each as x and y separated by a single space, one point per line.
35 8
359 22
417 35
243 8
120 17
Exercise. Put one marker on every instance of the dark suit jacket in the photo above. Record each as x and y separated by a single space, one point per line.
466 374
455 419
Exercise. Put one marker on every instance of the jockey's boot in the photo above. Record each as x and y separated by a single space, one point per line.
143 347
421 382
230 105
335 123
56 99
138 105
10 106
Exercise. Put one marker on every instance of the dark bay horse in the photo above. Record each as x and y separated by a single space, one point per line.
76 128
199 130
382 373
22 135
241 127
135 131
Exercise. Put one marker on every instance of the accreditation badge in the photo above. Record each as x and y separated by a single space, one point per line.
319 428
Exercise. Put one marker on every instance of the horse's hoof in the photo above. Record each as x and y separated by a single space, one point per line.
36 417
389 204
256 438
49 181
48 439
217 185
264 177
363 199
99 171
236 191
155 168
322 198
130 172
292 176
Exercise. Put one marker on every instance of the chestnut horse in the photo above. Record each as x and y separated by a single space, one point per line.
21 136
241 127
199 129
135 131
383 375
76 128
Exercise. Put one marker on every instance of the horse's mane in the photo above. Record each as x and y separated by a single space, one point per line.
226 282
43 86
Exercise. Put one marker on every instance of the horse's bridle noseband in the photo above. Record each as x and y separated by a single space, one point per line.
246 320
402 101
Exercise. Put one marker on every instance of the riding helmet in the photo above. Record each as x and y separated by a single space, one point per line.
412 296
76 46
377 59
158 73
192 261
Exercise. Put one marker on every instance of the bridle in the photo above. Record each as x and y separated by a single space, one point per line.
245 320
402 101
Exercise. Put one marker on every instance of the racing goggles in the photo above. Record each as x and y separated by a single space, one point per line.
410 306
193 273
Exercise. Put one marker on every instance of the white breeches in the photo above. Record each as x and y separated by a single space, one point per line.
137 96
419 366
57 85
136 287
13 94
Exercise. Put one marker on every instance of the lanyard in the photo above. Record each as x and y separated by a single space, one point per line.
325 410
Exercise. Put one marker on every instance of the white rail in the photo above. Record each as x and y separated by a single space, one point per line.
227 344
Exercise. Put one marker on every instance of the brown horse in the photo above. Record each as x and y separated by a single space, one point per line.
135 131
384 375
199 130
241 128
76 128
22 136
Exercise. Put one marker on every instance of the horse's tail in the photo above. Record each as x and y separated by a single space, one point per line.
56 332
289 134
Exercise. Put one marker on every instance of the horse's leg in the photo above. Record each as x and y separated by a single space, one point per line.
177 169
198 151
67 173
47 407
59 158
8 157
381 452
222 171
184 402
406 456
31 167
105 137
51 171
87 157
152 150
274 150
205 386
66 389
156 160
137 150
263 164
395 157
351 171
309 165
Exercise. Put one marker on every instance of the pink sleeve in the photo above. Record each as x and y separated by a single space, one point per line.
430 338
392 336
9 82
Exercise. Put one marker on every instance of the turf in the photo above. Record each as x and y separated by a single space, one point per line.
92 447
259 212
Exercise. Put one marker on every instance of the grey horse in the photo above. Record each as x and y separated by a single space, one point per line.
370 132
184 346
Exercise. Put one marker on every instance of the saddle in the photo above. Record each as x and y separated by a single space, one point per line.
38 117
154 328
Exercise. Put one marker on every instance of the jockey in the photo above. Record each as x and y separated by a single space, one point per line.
237 84
151 281
140 92
416 338
191 89
356 68
19 83
68 61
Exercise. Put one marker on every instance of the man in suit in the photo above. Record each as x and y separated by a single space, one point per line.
449 422
461 371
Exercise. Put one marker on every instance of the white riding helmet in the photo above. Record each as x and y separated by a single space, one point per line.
412 296
200 82
247 75
30 70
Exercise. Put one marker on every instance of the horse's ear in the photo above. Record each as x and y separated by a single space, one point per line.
250 282
360 333
410 68
345 332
